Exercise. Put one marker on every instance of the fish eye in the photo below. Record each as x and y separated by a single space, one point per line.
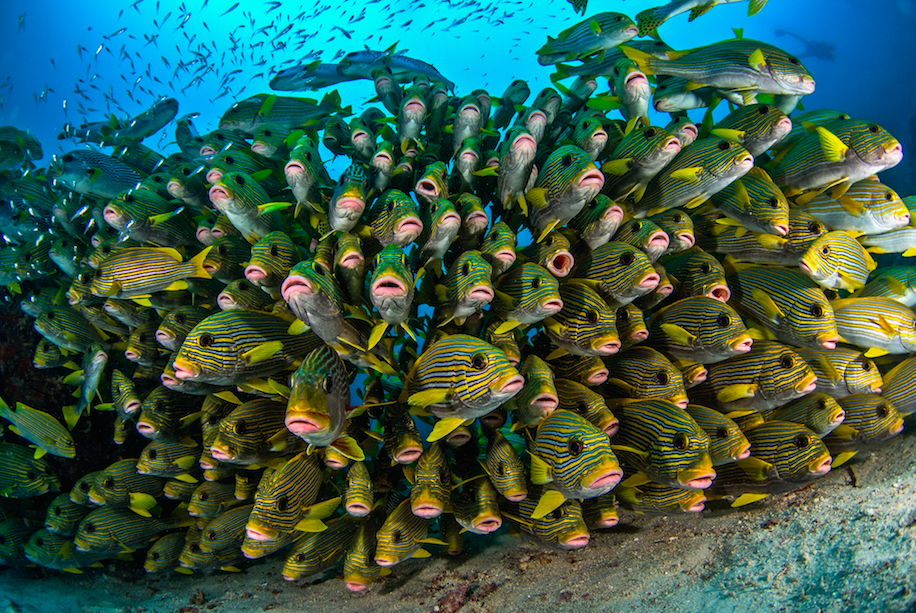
556 514
282 503
888 196
478 361
661 377
794 61
50 314
722 433
152 454
500 470
58 511
109 482
186 171
649 132
786 361
195 548
866 365
141 338
549 241
592 317
327 384
763 109
882 410
566 161
705 268
635 227
801 441
723 320
874 129
825 250
30 475
575 447
536 282
154 555
676 218
773 202
466 269
724 145
319 269
300 557
105 248
211 535
617 18
627 258
230 160
390 204
241 428
274 251
817 310
680 441
204 496
243 286
397 537
240 180
84 486
582 408
308 156
67 158
814 228
129 197
623 315
179 318
268 133
205 340
89 528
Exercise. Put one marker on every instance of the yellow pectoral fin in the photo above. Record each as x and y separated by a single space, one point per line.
551 499
679 335
322 510
311 525
738 391
348 447
744 499
444 427
834 149
428 397
636 480
842 458
617 168
420 553
262 352
754 468
141 503
540 471
690 175
629 449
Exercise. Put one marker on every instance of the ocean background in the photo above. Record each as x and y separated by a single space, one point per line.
66 61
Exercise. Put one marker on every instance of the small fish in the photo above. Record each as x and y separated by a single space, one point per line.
869 419
599 33
566 182
878 325
836 260
319 551
24 476
727 442
643 372
585 325
119 485
817 411
620 272
654 498
759 127
401 536
432 483
699 329
39 428
563 528
63 515
842 371
111 531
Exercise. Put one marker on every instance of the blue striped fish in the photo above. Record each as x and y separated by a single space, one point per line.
644 235
24 476
600 512
391 291
121 486
574 458
498 247
754 203
600 32
466 288
39 428
867 207
695 174
563 528
245 435
659 441
787 304
900 386
176 460
878 325
697 273
643 372
565 183
57 552
144 270
225 532
66 328
63 515
164 553
756 126
897 282
870 419
586 325
211 498
110 531
726 441
394 219
836 260
636 158
587 370
476 508
650 20
349 198
358 496
759 248
679 227
526 295
243 201
655 498
589 404
504 467
538 397
359 565
401 536
553 253
432 483
319 551
597 222
842 371
272 257
902 241
817 411
699 329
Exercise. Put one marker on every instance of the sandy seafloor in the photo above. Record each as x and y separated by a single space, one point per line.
846 544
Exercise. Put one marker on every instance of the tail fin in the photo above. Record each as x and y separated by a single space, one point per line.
198 260
643 60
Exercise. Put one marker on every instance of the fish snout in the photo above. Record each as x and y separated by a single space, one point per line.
545 402
214 175
552 306
260 534
607 347
505 255
146 429
357 509
389 285
893 153
742 344
650 281
488 524
686 239
598 377
720 292
783 127
476 221
697 506
427 510
575 541
592 179
512 385
427 188
743 452
184 370
822 467
482 293
256 274
450 220
408 229
781 229
294 285
408 455
561 263
304 423
673 145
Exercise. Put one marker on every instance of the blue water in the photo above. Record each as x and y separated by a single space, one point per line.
473 43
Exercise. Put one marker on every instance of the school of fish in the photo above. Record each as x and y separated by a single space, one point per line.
514 311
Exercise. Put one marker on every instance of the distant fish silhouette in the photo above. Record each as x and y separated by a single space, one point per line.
820 49
579 5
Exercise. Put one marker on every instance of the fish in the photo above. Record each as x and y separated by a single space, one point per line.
349 199
901 240
525 296
878 325
245 434
164 553
358 497
318 551
644 235
172 460
699 329
621 273
394 219
251 113
272 257
837 260
567 181
842 371
498 248
696 173
39 428
727 442
465 289
210 498
598 221
758 127
786 303
600 32
24 476
111 531
63 515
90 172
359 564
515 95
654 498
816 411
308 76
119 485
587 403
441 224
460 377
769 375
174 327
784 456
538 397
432 483
140 271
642 372
563 528
225 532
304 171
585 325
391 291
754 203
240 198
650 20
553 253
636 158
869 419
401 536
476 508
168 416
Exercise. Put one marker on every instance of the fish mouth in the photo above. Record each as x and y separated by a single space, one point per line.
427 510
218 195
112 217
575 542
258 147
687 239
255 274
306 422
606 478
698 478
408 455
481 293
742 452
658 240
699 376
216 233
146 429
639 335
168 381
897 427
350 207
545 402
720 292
611 427
352 260
808 384
561 263
505 255
525 142
132 407
131 355
696 506
516 496
681 402
382 158
511 386
259 533
829 342
384 562
219 453
207 151
450 220
427 188
476 221
225 302
592 179
782 127
293 168
294 285
806 85
745 163
357 509
805 267
355 586
488 524
214 175
494 419
552 306
598 377
470 111
664 290
415 105
742 344
209 267
606 346
674 145
781 229
457 438
893 153
409 229
184 370
650 281
356 137
389 285
636 79
820 466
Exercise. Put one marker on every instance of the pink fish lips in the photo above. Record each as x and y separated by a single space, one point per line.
593 179
306 422
389 286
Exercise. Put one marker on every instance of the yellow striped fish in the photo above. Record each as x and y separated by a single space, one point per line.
838 261
226 531
211 498
401 536
24 476
63 515
144 270
867 207
169 459
358 497
620 272
504 467
476 508
636 158
589 404
758 127
164 553
120 486
697 273
900 386
245 435
112 531
563 528
359 565
754 203
538 397
655 498
843 371
39 428
431 483
643 372
818 412
699 329
879 325
726 441
869 420
587 370
319 551
586 325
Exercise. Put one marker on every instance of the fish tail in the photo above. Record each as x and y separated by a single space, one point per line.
643 60
198 261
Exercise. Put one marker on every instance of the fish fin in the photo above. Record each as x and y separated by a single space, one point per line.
629 449
277 442
887 327
187 420
842 458
744 499
617 168
75 571
643 60
640 478
550 500
851 206
177 286
262 352
487 171
620 383
754 468
727 134
228 397
737 391
39 452
737 414
298 327
554 326
184 571
141 503
74 378
270 207
540 471
537 196
769 306
428 397
70 416
522 204
770 241
907 254
834 149
321 510
186 478
559 352
639 191
845 432
230 569
185 462
754 7
310 525
506 326
695 201
420 553
679 335
378 331
443 427
757 61
348 447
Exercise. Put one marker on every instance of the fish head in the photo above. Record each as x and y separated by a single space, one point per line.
700 474
319 392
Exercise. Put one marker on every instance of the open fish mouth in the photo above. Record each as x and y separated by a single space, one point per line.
821 466
294 285
674 145
636 79
476 221
742 344
546 402
383 158
781 229
218 194
428 188
350 207
357 137
650 281
481 293
599 376
552 306
260 534
720 292
415 107
293 168
410 227
389 285
505 255
427 510
214 175
256 274
488 524
525 142
696 506
352 260
112 216
225 302
258 147
686 239
561 263
457 438
383 562
408 455
591 179
146 429
207 151
355 586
